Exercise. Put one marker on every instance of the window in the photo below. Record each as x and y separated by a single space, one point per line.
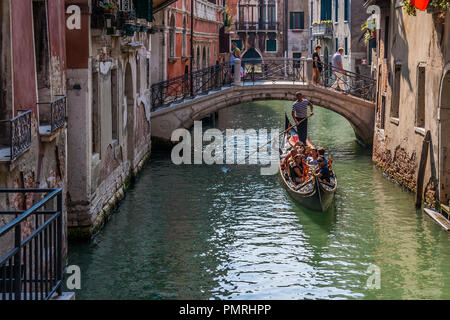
296 56
325 10
184 53
346 10
172 37
271 14
396 94
420 101
336 10
346 46
125 5
114 104
386 37
297 20
144 9
95 121
336 44
382 111
271 45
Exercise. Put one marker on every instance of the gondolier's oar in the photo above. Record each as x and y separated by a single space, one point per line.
225 169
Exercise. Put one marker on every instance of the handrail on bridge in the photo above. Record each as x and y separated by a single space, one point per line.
215 77
31 268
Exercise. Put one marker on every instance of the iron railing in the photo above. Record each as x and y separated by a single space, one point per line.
32 266
256 26
273 69
322 30
354 84
187 86
253 71
57 111
16 134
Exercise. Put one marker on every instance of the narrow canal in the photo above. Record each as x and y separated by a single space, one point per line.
196 232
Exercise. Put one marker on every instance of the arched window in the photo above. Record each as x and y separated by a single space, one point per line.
198 59
204 58
184 53
172 37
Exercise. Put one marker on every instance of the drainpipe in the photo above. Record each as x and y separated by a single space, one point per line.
286 28
192 48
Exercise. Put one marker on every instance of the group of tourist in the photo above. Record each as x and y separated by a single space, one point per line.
337 68
303 160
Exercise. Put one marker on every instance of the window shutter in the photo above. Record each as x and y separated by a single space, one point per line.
291 20
302 20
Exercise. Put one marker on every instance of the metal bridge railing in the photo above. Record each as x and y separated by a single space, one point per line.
31 260
354 84
254 71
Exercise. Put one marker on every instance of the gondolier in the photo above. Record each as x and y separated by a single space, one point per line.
299 113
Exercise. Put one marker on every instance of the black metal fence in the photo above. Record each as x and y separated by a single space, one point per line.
16 134
190 85
53 113
349 82
253 71
32 266
274 69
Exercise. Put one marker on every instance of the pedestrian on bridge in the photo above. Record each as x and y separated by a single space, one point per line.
235 54
338 70
317 65
299 113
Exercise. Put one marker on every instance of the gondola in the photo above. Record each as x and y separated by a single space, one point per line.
313 193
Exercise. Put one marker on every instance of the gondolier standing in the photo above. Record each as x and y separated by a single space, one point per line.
299 113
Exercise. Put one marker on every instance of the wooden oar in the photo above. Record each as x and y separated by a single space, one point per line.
257 150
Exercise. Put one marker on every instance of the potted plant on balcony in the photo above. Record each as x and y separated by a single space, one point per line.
110 8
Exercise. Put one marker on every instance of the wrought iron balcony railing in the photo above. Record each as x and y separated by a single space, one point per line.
322 30
15 137
53 113
256 26
31 260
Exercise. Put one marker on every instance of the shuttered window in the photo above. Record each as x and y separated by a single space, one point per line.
297 20
144 9
271 45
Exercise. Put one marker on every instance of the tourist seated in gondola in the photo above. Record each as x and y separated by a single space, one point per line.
323 172
312 159
297 169
321 152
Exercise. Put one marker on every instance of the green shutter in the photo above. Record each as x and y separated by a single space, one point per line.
291 21
271 45
144 9
302 20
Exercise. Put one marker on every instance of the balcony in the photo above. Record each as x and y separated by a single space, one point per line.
262 26
205 10
15 136
52 115
31 246
322 30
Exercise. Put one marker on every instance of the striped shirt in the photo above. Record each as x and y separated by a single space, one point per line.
300 108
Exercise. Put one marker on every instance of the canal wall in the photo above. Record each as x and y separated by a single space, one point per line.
413 99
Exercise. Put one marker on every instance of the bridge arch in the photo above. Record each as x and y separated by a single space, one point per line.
359 112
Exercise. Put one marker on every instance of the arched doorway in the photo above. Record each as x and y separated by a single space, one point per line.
129 98
444 138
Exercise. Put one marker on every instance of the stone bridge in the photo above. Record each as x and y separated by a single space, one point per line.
182 114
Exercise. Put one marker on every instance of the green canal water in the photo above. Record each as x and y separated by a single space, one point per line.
196 232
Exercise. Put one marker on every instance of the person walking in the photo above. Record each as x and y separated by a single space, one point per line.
317 66
235 54
338 70
299 113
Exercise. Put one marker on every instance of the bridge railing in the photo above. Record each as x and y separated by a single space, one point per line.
354 84
190 85
273 69
255 71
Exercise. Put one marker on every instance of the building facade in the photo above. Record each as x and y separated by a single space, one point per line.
109 59
258 27
412 64
297 29
32 102
175 21
335 24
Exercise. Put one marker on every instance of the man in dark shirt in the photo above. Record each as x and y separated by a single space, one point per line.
317 65
323 171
